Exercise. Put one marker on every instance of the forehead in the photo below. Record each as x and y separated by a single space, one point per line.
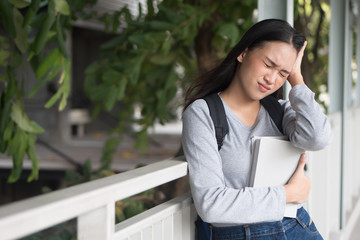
281 53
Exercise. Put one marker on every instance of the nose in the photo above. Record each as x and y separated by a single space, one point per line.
270 77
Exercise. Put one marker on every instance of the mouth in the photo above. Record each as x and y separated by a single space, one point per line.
263 88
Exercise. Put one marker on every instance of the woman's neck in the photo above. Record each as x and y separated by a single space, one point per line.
245 108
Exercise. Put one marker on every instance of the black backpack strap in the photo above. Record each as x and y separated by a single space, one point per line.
218 116
217 113
275 110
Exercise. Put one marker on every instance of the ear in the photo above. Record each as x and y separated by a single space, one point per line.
242 55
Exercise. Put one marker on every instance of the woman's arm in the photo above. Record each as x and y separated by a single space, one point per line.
304 121
215 201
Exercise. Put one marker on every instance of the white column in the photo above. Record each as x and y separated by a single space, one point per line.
339 79
280 9
357 101
336 55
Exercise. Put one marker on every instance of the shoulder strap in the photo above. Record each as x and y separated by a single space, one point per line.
218 116
217 113
275 110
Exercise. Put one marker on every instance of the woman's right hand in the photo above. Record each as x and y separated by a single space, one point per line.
298 187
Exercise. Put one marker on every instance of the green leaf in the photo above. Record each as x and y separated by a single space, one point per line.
6 13
37 128
23 122
150 9
64 90
62 6
63 102
229 31
20 3
121 89
112 76
160 59
17 149
111 99
60 37
4 54
49 61
5 115
99 92
43 34
11 84
171 15
66 85
115 42
53 99
31 12
21 33
161 25
115 21
51 75
4 43
107 152
16 58
34 175
8 131
134 69
38 19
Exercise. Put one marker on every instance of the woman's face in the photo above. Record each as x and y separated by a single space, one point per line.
264 69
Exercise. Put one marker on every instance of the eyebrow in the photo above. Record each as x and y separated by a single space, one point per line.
275 65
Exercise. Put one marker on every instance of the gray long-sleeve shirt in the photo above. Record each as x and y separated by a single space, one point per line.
218 178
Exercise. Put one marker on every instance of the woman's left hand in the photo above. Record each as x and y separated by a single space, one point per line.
295 77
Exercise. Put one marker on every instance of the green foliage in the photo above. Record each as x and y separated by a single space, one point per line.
313 19
33 29
63 231
149 63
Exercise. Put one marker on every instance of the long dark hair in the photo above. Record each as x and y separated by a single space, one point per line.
220 77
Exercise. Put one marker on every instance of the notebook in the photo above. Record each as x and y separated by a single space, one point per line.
274 160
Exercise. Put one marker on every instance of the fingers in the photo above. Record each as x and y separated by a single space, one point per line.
304 47
302 161
295 76
301 54
303 158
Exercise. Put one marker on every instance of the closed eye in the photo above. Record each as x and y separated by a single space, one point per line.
267 65
282 75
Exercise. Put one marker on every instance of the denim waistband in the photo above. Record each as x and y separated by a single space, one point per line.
266 228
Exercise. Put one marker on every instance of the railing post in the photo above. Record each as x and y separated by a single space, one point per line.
97 224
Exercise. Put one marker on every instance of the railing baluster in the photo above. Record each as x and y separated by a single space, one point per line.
168 228
178 225
147 233
97 224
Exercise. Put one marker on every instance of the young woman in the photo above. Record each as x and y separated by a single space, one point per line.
269 53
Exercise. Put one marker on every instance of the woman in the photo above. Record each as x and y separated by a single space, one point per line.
269 53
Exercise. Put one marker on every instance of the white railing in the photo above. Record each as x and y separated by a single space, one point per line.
325 172
93 204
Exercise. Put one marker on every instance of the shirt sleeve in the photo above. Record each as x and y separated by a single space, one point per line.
215 202
304 121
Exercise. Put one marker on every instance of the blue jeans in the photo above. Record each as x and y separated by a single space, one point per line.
301 227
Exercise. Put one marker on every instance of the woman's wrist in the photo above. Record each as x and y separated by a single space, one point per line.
289 194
